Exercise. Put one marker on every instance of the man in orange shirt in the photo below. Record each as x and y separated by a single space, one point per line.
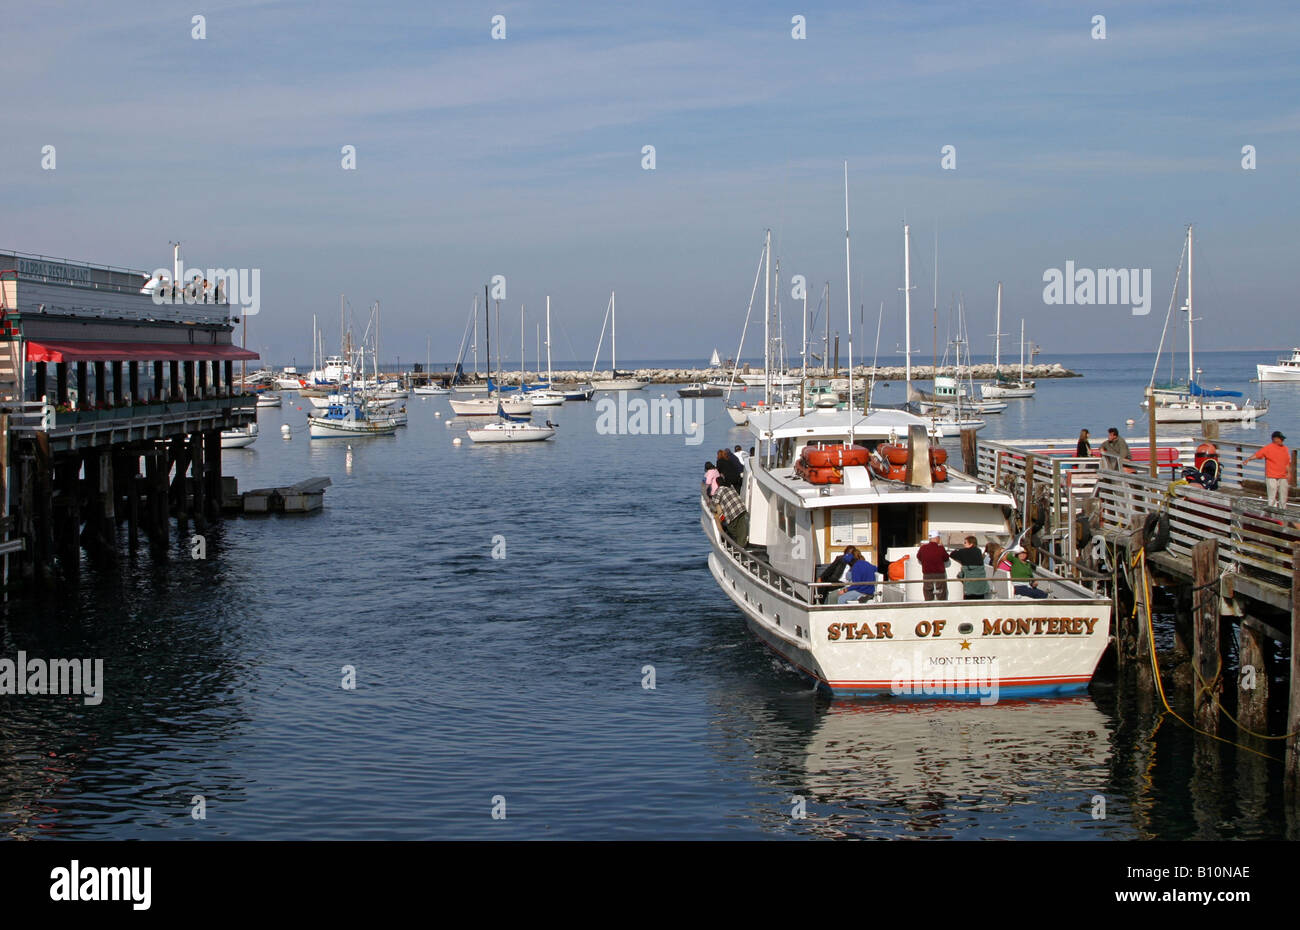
1277 467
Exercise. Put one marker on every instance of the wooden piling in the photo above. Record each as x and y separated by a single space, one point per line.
969 459
1252 702
1292 778
1207 659
1140 637
198 482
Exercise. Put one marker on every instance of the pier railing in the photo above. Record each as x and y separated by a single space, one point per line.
136 421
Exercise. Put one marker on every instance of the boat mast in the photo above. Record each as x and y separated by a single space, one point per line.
997 339
549 377
1022 345
767 318
826 337
487 335
848 293
474 316
803 353
934 364
613 337
1191 362
907 307
521 347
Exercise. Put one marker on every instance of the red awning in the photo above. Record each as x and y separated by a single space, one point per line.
72 351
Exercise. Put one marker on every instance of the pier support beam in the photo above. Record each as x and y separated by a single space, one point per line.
969 459
1207 655
1292 777
1252 702
1141 638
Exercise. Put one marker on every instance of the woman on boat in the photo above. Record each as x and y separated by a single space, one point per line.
711 476
975 587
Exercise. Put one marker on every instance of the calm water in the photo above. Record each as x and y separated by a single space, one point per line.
522 677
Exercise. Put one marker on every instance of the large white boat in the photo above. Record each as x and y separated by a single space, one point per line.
1286 369
618 380
487 406
895 642
511 429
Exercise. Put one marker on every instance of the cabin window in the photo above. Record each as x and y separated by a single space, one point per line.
780 518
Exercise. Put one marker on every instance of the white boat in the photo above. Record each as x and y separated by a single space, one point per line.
700 389
487 406
950 400
240 437
508 429
1005 387
1286 369
430 389
268 400
618 380
290 383
350 420
1190 402
895 642
780 379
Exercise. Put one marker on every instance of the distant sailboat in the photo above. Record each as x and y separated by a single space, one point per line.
715 362
618 380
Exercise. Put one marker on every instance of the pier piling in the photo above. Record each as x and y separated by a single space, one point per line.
1207 656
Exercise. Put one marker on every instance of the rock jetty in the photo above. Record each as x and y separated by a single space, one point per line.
890 373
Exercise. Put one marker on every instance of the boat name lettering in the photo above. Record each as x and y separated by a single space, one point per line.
1052 626
926 628
963 660
854 631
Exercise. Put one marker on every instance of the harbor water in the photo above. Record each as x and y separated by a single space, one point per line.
533 630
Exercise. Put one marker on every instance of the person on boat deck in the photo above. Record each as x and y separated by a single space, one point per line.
1084 448
730 469
1277 468
933 557
1114 451
971 559
835 571
711 476
1024 572
731 514
742 457
863 577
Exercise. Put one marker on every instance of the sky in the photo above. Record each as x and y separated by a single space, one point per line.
523 157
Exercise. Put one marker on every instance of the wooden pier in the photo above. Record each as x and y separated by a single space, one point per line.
1230 562
112 406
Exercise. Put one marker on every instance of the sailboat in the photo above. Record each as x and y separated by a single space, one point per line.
618 380
1004 386
1190 402
548 396
511 429
493 403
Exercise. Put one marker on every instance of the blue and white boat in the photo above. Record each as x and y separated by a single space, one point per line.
350 419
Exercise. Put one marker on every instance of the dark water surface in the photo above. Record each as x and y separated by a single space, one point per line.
522 678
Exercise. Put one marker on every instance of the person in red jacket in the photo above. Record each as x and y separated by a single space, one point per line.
934 559
1277 468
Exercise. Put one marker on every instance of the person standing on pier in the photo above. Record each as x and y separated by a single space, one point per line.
1084 448
1114 451
933 557
1277 468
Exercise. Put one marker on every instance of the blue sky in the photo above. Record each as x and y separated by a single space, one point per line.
522 157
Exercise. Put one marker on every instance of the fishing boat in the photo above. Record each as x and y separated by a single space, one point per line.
511 429
1003 386
350 419
1190 401
240 437
833 478
1286 369
618 380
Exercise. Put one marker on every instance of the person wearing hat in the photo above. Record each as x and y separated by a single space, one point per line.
1277 468
933 558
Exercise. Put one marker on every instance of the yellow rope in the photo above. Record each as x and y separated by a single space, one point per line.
1155 671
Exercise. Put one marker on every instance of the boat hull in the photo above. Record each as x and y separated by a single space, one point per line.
999 392
515 434
487 406
618 384
895 659
1277 373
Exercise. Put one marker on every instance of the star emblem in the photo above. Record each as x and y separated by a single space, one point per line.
965 644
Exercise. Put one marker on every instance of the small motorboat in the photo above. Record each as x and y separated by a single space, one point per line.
698 389
239 438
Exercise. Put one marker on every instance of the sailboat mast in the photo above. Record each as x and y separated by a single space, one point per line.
1191 361
826 336
848 293
803 352
997 338
907 306
549 377
521 347
613 336
767 316
474 316
487 333
1022 345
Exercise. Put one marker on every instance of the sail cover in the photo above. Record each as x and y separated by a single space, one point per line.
501 412
1197 391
